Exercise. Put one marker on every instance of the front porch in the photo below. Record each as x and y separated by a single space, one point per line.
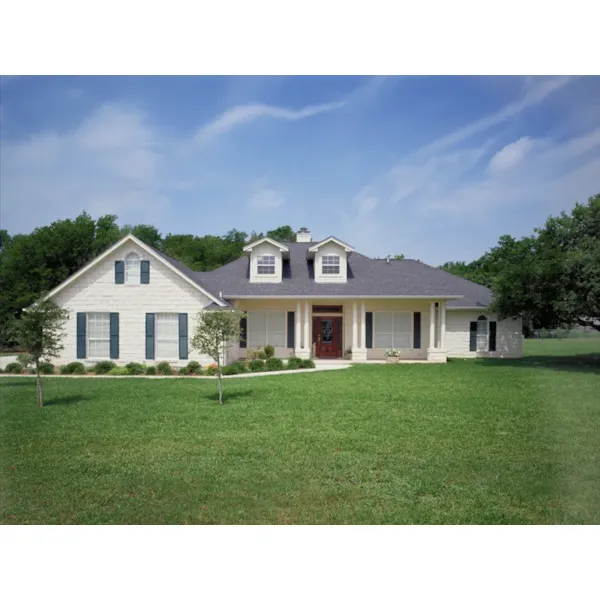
352 330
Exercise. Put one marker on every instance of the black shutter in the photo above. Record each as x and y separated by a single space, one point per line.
119 271
243 328
369 330
183 335
473 336
81 335
145 271
291 318
114 335
150 335
492 340
417 330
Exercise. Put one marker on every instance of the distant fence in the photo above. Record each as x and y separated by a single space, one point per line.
561 334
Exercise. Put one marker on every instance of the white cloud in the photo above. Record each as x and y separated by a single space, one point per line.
240 115
110 162
266 199
511 155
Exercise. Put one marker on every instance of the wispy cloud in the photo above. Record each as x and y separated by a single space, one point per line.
241 115
110 163
511 155
267 199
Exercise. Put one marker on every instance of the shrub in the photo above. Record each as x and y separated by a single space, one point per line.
151 370
24 359
118 371
13 367
269 351
294 363
230 370
192 368
104 366
253 354
211 369
274 364
164 368
262 355
1 370
46 368
307 363
242 366
73 368
257 365
134 368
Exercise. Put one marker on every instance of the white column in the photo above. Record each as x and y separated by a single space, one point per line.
354 326
307 343
443 325
298 335
363 327
432 325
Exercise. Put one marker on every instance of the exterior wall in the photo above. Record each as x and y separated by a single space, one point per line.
337 250
509 335
260 250
96 291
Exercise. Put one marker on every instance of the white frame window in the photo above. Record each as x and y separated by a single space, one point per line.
98 335
330 264
393 329
133 269
166 342
482 334
265 264
266 327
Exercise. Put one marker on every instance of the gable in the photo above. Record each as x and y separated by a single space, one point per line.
119 251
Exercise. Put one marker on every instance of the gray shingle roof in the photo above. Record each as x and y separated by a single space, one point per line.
366 277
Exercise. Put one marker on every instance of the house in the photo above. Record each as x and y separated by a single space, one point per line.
307 298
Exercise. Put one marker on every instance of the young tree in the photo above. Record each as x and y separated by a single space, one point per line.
215 330
40 331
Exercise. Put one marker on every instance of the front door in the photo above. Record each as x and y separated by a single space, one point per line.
327 332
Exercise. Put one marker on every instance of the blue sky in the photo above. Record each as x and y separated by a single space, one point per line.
436 168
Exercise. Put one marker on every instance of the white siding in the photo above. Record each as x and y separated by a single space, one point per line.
96 291
331 249
260 250
509 337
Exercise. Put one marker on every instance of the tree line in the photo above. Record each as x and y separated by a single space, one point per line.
551 277
34 263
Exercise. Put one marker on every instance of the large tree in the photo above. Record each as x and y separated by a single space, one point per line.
553 276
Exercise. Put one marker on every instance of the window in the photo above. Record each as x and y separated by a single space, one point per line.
392 329
266 327
132 268
331 264
98 325
482 329
167 335
266 264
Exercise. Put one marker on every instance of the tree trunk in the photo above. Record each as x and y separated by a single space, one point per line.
40 398
219 382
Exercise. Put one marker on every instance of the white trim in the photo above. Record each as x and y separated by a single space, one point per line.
130 238
306 296
333 239
265 239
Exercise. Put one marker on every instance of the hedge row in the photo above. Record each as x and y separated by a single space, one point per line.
108 367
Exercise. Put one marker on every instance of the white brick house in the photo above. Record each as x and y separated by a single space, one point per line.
319 299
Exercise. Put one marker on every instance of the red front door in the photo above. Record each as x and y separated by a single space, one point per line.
327 333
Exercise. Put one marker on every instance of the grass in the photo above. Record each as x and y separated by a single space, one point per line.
468 442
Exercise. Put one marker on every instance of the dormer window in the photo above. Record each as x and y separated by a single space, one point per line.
132 269
331 264
266 264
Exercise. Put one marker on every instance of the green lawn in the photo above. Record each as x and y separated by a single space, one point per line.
467 442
